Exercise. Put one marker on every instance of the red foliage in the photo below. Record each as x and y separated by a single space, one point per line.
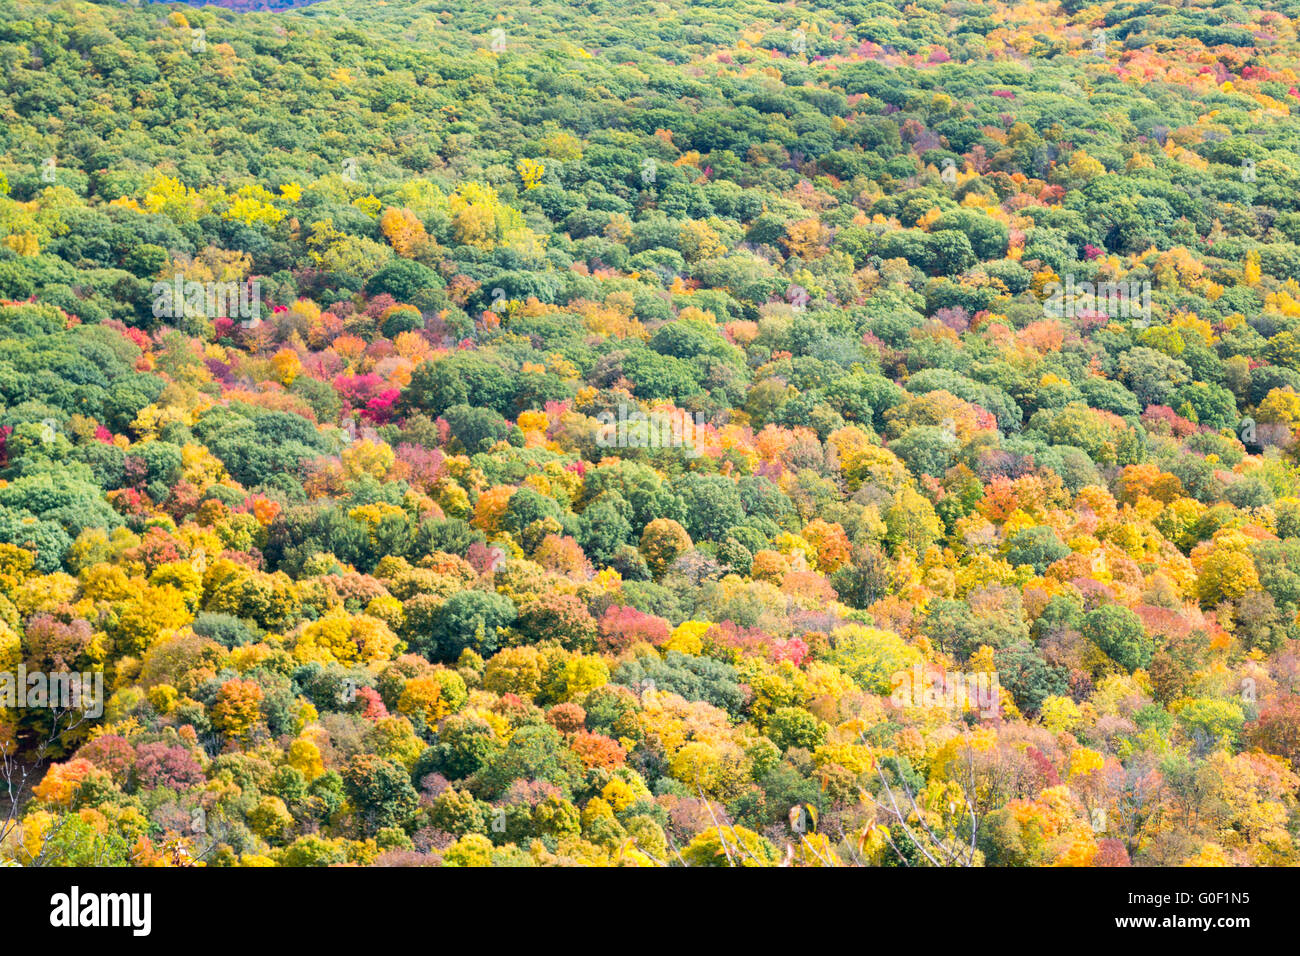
370 704
621 627
1111 852
158 765
53 645
110 752
157 547
1163 420
1277 730
597 750
1043 768
567 718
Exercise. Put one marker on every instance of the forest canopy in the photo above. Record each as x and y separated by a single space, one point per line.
711 433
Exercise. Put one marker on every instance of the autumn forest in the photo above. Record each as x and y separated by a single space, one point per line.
684 433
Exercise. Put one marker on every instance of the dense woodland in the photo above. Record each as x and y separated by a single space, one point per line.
366 579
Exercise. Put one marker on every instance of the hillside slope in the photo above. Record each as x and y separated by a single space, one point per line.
589 433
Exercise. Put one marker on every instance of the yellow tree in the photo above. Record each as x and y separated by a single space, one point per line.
404 232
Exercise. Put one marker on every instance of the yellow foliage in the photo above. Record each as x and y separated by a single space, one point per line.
345 638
